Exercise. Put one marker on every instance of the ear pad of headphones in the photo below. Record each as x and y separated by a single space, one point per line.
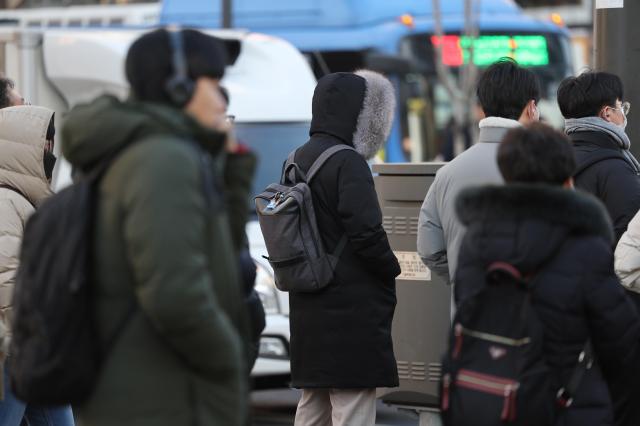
180 90
179 87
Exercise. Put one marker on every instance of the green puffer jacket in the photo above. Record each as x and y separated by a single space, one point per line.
180 359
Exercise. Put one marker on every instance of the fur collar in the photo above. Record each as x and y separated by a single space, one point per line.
581 212
376 115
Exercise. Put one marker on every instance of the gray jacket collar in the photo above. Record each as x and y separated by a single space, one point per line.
493 129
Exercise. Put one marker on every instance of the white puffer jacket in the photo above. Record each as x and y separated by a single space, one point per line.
23 185
627 262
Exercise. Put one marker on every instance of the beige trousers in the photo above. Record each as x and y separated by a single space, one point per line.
336 407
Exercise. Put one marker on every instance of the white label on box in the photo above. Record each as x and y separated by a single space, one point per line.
412 267
609 4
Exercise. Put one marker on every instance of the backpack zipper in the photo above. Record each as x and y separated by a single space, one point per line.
492 337
494 385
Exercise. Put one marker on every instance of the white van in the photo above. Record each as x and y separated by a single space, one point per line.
270 86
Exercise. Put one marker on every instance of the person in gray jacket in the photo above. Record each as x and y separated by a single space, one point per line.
508 95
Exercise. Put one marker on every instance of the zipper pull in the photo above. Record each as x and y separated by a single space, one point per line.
506 404
457 346
446 384
512 408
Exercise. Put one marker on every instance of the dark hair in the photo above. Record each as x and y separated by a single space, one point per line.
51 129
505 88
585 95
536 154
149 63
6 85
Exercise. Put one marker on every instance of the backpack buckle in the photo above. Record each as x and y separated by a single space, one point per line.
563 398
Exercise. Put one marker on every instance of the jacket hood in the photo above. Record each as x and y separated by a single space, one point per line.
356 108
525 224
23 131
94 131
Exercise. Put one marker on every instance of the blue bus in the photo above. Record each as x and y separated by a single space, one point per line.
397 37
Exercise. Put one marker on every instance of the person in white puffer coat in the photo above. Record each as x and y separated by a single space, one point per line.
26 167
627 259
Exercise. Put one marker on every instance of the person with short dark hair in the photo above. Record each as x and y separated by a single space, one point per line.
562 239
9 96
596 116
508 95
165 260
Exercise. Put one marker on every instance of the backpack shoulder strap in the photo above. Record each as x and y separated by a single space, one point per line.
315 167
17 191
607 155
600 155
290 168
586 360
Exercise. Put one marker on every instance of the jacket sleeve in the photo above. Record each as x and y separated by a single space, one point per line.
620 189
613 319
361 217
432 247
14 219
167 238
627 257
239 170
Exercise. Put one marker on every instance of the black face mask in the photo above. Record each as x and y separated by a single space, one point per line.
49 164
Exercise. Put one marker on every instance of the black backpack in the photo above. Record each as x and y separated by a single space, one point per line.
288 222
55 349
494 371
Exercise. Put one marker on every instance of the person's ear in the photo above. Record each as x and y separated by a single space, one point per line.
605 114
533 110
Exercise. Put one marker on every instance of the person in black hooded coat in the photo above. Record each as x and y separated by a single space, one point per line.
341 335
563 239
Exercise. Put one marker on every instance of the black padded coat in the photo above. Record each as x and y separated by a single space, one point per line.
563 238
341 336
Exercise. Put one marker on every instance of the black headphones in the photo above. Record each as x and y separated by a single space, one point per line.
179 87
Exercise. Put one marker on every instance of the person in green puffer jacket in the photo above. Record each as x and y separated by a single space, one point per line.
163 245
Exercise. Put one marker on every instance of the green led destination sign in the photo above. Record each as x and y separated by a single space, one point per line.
528 50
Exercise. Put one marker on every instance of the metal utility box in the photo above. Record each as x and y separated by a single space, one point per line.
422 317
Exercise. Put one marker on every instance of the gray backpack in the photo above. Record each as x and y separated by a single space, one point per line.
288 222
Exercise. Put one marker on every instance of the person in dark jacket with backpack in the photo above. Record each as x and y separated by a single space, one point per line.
559 241
165 259
596 116
341 348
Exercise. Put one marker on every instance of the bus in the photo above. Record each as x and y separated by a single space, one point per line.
397 37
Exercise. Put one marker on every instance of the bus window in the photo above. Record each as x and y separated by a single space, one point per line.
546 54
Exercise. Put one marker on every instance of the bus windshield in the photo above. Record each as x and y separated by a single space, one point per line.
425 106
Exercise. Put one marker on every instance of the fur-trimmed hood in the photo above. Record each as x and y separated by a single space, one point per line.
357 108
526 223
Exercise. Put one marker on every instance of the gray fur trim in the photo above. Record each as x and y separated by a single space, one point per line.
376 116
581 212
